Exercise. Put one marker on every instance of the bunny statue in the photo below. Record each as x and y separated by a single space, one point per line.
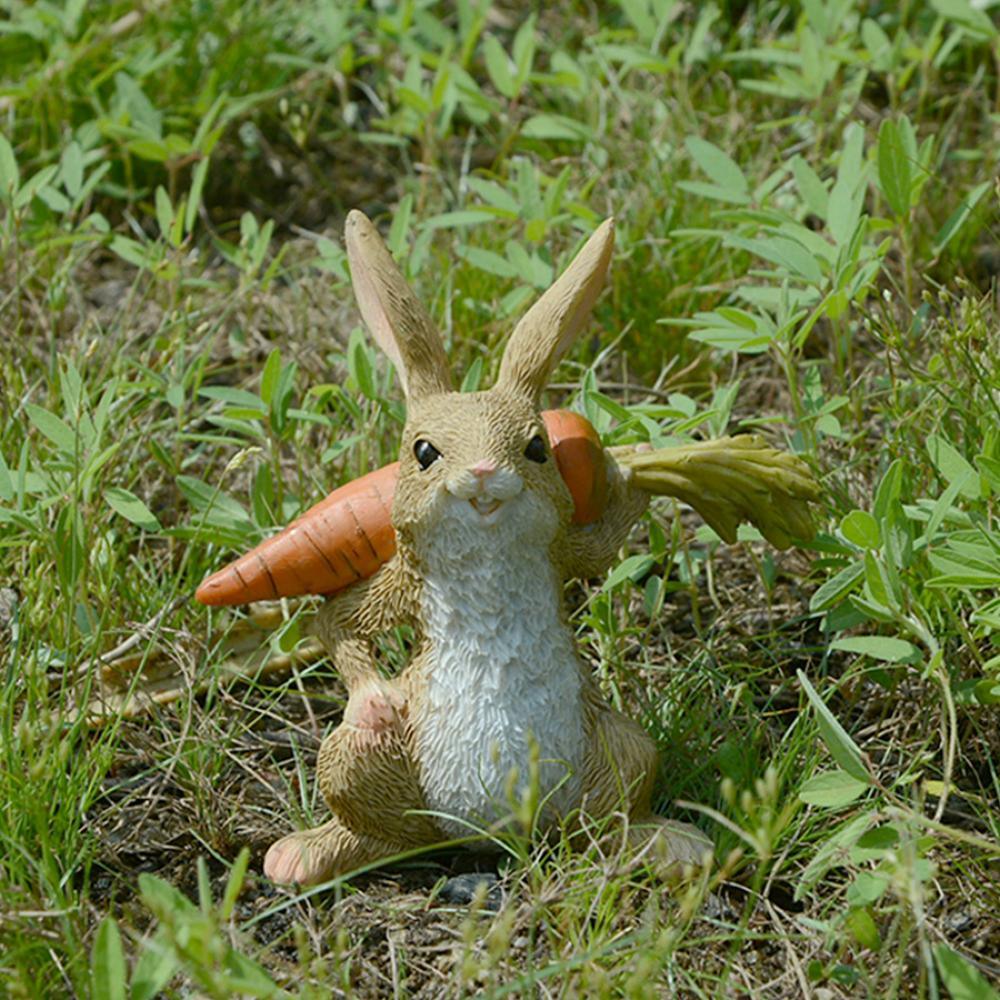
484 533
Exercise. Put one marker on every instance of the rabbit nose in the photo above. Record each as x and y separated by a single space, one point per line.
483 468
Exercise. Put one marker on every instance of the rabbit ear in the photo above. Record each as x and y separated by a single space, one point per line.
548 329
394 316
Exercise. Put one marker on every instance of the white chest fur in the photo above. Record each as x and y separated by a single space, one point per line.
502 671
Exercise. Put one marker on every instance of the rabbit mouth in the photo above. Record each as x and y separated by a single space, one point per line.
485 505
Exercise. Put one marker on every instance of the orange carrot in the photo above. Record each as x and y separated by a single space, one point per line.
348 535
344 538
580 457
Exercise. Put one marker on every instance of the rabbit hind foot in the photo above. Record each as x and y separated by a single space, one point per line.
309 857
669 846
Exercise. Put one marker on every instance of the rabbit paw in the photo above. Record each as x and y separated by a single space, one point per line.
290 861
670 846
313 856
310 856
374 710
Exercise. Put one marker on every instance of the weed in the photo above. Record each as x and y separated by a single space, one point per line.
805 206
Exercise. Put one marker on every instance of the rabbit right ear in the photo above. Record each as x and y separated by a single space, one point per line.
394 316
548 329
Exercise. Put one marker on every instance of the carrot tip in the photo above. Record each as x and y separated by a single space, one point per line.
210 591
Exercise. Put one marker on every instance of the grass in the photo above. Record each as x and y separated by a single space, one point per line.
806 218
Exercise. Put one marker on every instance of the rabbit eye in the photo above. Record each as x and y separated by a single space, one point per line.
426 454
535 452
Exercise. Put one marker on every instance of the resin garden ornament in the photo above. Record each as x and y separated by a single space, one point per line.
470 538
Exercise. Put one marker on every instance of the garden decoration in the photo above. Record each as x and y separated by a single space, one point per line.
470 537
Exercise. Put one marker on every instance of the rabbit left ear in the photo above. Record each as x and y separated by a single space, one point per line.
547 331
395 317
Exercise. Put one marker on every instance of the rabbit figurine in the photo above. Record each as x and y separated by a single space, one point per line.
485 541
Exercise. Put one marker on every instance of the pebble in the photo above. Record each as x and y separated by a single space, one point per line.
959 920
8 606
460 890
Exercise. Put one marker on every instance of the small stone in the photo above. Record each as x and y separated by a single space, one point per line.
108 294
8 607
460 890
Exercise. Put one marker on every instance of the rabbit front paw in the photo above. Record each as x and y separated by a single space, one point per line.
374 709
